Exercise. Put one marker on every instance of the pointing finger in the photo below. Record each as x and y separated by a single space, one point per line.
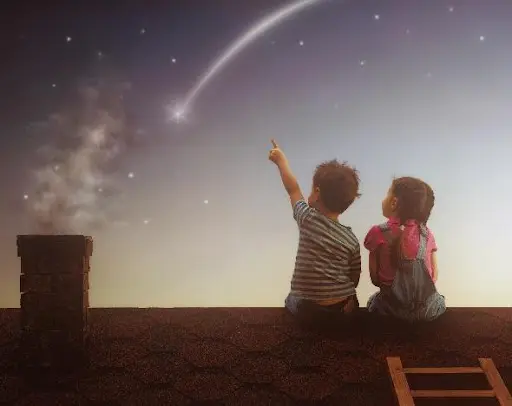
274 143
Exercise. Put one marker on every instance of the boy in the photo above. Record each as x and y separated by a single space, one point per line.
328 262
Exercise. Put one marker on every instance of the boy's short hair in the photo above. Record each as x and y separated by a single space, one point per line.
338 184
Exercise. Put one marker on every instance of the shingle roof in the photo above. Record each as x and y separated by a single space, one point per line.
259 356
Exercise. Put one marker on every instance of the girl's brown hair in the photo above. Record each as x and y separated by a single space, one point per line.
415 200
429 204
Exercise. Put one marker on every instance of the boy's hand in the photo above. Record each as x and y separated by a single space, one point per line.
276 155
289 181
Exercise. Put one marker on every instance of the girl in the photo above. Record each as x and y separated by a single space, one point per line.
403 255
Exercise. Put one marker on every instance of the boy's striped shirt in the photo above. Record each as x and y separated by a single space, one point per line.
328 257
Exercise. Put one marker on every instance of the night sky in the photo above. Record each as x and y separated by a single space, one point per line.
192 213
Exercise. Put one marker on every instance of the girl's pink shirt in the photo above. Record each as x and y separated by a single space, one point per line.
375 240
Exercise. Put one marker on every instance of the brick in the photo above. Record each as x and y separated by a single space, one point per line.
37 303
48 283
36 283
70 246
52 350
52 338
46 264
58 318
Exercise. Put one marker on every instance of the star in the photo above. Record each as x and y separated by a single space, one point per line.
301 43
176 113
451 9
173 60
362 62
131 175
146 221
25 197
99 54
482 38
100 190
205 202
376 16
428 75
54 85
407 31
56 168
142 31
68 39
272 42
178 116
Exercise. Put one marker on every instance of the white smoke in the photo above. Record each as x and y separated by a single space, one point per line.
72 187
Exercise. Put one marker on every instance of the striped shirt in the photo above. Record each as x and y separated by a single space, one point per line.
328 263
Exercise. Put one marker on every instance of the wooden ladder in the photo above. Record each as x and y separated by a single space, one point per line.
406 396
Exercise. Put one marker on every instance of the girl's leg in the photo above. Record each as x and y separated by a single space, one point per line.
371 304
435 307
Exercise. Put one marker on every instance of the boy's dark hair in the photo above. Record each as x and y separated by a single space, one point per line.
338 184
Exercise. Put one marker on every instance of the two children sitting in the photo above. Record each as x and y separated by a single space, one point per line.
328 264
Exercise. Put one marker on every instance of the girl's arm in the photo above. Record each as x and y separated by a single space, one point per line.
435 271
374 267
373 242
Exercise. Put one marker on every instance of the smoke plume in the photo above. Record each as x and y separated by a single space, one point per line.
73 188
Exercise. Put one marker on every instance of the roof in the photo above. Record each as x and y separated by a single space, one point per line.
259 356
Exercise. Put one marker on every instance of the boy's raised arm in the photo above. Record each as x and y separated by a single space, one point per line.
290 183
289 180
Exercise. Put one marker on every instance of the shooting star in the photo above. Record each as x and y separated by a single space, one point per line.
179 112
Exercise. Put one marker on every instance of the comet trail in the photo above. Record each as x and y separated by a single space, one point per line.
258 29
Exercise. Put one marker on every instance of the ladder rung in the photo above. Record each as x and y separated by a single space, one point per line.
453 393
405 395
445 370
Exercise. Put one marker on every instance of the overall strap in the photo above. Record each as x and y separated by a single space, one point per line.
422 248
385 230
384 227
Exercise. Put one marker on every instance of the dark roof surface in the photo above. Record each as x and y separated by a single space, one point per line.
259 356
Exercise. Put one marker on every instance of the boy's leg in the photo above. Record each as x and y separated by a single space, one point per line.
301 309
351 305
312 314
332 316
292 304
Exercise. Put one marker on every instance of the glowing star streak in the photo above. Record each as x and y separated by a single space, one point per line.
261 27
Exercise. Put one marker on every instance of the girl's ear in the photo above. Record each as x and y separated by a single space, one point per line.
394 203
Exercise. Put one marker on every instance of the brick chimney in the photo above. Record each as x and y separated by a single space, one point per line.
54 287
